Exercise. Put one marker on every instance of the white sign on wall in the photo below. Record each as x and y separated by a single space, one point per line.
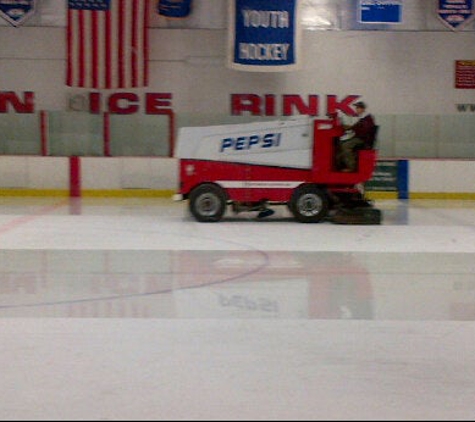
380 11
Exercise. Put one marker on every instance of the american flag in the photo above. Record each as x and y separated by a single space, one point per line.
107 43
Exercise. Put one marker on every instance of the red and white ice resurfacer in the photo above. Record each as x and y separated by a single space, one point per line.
254 166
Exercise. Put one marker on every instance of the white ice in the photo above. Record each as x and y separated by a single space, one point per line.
128 309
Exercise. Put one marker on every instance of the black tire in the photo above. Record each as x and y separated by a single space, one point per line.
309 204
207 203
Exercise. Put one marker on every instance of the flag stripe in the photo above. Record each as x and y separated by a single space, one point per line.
82 40
108 49
69 43
95 51
145 42
135 45
122 39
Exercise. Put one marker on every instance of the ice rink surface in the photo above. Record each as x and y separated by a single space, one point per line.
128 309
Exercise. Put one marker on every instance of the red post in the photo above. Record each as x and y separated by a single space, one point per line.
44 133
74 177
172 133
107 135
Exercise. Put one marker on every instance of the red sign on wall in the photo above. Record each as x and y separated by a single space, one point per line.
465 74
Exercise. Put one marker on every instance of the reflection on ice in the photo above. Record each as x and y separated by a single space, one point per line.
237 285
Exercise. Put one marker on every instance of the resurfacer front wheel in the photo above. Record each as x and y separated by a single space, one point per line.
309 204
207 203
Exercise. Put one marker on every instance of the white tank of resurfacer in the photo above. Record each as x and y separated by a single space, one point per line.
283 143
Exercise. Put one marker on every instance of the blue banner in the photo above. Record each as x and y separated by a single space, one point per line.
17 11
264 35
174 8
380 11
455 13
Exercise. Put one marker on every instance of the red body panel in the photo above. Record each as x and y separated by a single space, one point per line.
251 182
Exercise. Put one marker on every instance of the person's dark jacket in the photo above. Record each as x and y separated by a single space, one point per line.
364 128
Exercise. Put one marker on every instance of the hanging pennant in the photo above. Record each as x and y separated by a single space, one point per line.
264 36
455 13
16 12
174 8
